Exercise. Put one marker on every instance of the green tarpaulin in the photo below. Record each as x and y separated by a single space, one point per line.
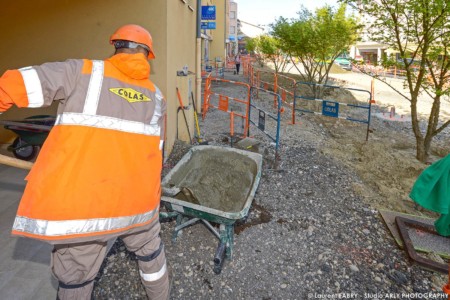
432 191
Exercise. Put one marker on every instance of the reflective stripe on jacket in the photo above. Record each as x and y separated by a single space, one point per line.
98 172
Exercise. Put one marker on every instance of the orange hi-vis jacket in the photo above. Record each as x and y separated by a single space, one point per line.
99 171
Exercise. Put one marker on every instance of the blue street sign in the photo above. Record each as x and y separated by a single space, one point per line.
330 109
208 12
208 25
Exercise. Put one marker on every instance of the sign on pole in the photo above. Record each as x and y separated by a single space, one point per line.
208 25
208 12
330 109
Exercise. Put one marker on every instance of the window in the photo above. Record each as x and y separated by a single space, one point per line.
232 29
232 15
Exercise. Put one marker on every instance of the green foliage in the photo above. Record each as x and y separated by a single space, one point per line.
270 50
420 32
251 45
267 48
316 39
268 45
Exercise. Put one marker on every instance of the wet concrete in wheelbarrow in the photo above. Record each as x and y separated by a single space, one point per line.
216 178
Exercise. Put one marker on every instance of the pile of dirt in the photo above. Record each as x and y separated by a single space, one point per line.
386 162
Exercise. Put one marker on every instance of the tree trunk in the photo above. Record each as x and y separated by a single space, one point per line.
421 153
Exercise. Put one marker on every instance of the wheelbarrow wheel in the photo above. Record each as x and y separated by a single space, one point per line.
22 150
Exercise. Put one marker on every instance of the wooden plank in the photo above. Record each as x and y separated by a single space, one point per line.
14 162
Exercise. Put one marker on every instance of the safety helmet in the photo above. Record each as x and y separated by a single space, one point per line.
135 34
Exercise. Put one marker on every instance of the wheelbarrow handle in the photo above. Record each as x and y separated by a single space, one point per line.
14 162
24 125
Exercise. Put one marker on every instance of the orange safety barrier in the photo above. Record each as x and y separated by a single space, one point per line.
232 124
284 92
380 71
223 100
277 87
206 95
372 91
246 62
230 65
248 70
212 67
446 288
223 103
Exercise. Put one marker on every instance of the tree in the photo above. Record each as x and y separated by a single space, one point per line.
252 48
420 32
271 51
316 40
267 48
251 44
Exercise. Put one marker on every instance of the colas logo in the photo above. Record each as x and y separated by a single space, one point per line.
130 95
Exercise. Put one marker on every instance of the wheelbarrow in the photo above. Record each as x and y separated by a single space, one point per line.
212 185
32 132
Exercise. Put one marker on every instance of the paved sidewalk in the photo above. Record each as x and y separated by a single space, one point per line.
24 263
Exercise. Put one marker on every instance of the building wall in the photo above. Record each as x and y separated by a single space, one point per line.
217 47
54 30
180 35
234 24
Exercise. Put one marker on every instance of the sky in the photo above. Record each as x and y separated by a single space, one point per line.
263 12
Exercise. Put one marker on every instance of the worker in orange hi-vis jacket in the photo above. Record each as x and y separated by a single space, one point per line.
99 171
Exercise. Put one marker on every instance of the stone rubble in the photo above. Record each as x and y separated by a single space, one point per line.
308 232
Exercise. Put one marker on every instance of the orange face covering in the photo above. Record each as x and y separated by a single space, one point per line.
135 66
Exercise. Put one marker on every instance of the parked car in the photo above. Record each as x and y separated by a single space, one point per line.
411 63
344 63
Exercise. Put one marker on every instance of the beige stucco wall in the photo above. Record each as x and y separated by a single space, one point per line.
34 32
218 47
181 42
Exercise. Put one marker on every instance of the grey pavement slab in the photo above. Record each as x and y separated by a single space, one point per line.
24 263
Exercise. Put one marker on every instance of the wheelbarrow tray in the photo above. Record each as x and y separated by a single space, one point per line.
221 183
202 159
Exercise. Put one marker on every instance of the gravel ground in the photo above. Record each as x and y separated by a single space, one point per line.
308 235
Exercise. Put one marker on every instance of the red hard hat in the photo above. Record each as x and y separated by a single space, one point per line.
134 33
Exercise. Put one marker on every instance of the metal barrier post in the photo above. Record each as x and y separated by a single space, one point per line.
276 139
275 88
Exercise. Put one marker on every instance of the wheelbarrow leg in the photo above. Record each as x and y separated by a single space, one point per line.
219 257
225 247
175 231
180 225
230 241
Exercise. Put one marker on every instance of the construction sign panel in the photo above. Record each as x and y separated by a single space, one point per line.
208 12
223 103
330 109
262 120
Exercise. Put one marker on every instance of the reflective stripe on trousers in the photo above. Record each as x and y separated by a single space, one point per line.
74 264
